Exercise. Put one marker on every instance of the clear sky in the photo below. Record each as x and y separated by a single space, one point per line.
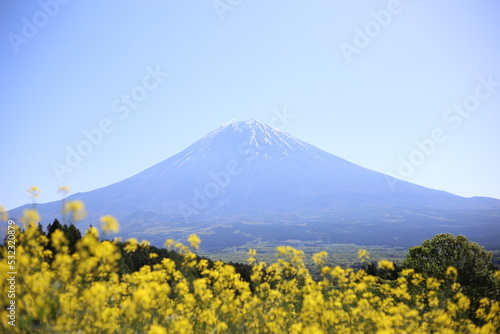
127 84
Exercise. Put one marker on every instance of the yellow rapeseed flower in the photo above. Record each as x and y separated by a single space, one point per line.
109 224
251 256
130 245
30 216
169 243
452 272
63 189
157 329
319 258
385 264
76 209
34 191
363 254
194 240
87 292
58 239
463 301
93 231
145 243
3 214
313 329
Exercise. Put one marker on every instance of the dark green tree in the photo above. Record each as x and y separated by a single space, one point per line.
473 263
370 268
40 229
88 229
73 235
51 228
434 256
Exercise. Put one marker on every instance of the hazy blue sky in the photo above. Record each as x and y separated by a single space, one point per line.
364 80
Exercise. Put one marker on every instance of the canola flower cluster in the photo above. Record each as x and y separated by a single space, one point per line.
59 292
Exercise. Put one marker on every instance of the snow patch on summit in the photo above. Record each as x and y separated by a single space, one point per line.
247 138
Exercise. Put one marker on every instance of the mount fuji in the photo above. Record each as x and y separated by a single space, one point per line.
247 180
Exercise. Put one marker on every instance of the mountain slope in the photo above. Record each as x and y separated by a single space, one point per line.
249 171
249 166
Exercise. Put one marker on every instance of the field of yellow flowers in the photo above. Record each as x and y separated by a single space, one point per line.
83 292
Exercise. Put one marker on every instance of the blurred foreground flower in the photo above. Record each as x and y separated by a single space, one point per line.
319 258
3 213
130 245
63 189
363 254
34 191
385 264
251 256
169 243
452 273
145 243
194 240
30 216
76 209
92 231
109 224
157 329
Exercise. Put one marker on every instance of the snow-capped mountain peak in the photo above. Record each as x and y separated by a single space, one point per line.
249 169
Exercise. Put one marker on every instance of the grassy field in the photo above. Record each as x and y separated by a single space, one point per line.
344 255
